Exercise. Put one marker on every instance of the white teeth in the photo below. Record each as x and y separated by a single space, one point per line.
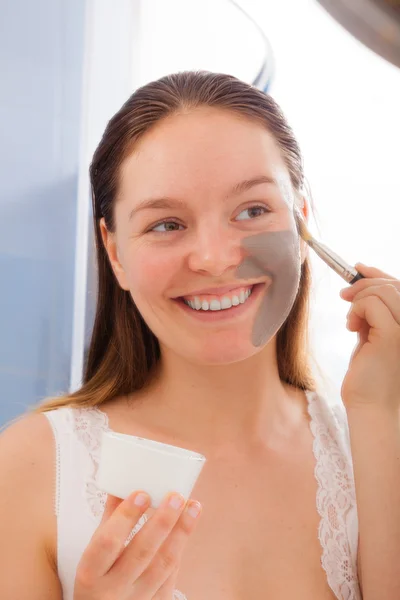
215 305
222 304
226 302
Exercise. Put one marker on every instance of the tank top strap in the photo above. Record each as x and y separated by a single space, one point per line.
336 501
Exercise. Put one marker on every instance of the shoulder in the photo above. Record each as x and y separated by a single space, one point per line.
26 446
25 443
27 472
27 517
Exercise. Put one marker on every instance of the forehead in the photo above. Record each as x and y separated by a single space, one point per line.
206 147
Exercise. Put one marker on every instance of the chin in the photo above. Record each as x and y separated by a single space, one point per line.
219 350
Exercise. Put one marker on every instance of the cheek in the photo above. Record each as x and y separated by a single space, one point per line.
282 220
151 270
274 254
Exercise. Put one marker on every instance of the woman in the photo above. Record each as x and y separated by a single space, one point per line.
190 169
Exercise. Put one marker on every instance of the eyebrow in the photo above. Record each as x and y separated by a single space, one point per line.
166 202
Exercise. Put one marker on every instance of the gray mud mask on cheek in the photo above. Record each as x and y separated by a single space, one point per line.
275 254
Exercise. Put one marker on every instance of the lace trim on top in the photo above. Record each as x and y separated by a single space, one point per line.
89 425
335 494
335 499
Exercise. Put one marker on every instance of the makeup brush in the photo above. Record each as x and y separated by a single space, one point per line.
347 272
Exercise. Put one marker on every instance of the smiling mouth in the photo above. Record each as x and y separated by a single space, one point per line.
232 304
226 302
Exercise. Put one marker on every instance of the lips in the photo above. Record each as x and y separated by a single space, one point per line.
236 313
215 291
213 302
218 291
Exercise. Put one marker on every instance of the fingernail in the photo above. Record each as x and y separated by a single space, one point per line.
344 291
176 501
141 499
194 509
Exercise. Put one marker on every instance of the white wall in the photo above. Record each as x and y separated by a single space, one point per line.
108 67
343 103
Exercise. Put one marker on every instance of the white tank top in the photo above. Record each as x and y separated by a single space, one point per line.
79 504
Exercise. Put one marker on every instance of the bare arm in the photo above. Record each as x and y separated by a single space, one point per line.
375 444
27 520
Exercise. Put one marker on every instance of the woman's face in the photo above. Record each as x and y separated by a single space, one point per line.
198 187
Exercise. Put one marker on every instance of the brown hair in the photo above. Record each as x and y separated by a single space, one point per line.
123 351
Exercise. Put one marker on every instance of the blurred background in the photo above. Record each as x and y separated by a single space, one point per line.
67 66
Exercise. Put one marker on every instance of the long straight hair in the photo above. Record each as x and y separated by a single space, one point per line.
123 352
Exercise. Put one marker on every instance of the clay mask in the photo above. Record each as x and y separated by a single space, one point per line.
275 254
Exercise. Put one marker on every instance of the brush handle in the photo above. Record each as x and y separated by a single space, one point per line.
333 260
356 278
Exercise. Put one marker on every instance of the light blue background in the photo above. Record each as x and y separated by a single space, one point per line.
41 58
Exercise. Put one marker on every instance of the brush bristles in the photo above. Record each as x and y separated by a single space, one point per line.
303 230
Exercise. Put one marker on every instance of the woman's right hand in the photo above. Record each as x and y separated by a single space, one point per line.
147 567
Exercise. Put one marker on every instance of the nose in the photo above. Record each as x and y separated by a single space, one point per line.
214 251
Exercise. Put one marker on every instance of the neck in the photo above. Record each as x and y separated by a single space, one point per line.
223 407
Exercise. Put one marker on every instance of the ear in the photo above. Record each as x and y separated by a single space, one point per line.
110 244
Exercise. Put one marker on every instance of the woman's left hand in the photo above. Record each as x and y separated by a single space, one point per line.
373 376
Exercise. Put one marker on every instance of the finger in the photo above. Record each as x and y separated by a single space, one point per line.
362 339
372 272
389 295
349 293
169 556
108 540
111 504
141 551
166 591
376 314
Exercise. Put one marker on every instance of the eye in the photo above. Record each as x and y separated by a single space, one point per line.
254 211
169 226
